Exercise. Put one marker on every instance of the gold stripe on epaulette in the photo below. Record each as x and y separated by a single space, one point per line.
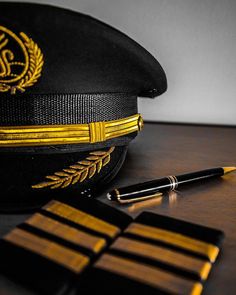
82 218
38 135
164 255
152 276
209 250
64 256
66 232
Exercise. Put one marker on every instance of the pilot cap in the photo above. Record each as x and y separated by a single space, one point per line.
68 102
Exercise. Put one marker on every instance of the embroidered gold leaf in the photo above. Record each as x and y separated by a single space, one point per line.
66 183
4 87
92 170
35 65
98 153
87 163
77 166
84 175
61 174
72 171
99 166
56 186
86 168
93 158
52 177
76 179
107 159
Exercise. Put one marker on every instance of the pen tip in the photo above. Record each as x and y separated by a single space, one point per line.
228 169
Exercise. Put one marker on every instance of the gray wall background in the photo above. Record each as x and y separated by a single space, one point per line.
195 42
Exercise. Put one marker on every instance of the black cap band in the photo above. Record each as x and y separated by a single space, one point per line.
61 109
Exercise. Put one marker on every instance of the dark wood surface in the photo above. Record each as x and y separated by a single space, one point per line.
165 149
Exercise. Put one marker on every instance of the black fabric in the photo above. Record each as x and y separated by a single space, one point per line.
193 230
62 109
109 283
20 171
102 211
157 263
82 54
189 229
73 224
41 274
47 277
54 238
166 245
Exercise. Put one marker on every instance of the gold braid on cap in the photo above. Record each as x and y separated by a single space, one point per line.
44 135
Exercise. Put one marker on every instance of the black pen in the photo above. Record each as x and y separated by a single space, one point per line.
153 188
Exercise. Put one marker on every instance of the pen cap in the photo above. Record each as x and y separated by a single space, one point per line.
68 109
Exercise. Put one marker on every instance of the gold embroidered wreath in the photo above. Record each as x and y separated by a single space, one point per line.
36 62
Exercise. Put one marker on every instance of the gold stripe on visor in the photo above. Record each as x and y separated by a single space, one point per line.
38 135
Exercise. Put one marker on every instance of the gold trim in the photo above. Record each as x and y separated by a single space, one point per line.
24 51
82 218
152 276
159 253
38 135
97 132
117 194
140 206
138 199
33 64
67 232
176 239
64 256
78 172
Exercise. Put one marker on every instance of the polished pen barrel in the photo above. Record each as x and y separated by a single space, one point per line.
150 188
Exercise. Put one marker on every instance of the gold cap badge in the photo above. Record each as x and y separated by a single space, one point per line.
21 61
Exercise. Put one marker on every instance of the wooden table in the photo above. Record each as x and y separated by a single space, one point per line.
164 149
